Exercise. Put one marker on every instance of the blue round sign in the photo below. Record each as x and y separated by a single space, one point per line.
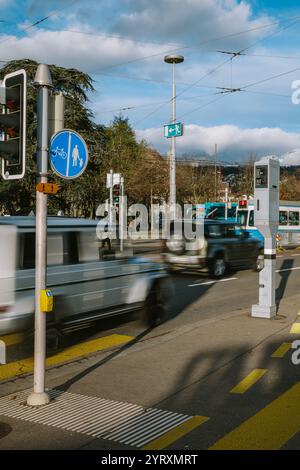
68 154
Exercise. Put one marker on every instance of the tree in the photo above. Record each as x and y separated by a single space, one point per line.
78 197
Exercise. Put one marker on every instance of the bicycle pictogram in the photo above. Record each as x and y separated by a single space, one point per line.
59 152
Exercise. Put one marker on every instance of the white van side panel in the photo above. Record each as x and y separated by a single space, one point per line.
8 240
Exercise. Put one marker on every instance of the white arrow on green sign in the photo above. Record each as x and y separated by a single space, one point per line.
174 130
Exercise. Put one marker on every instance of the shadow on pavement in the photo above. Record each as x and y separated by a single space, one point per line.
286 265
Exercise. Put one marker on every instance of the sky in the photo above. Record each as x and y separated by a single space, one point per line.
121 44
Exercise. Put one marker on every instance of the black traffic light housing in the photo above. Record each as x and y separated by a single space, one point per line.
13 126
116 195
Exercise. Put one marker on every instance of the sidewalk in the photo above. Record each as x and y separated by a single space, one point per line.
210 376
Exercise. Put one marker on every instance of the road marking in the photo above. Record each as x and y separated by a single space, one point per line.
295 330
287 269
172 436
15 338
296 254
24 366
212 282
122 422
248 381
282 350
270 428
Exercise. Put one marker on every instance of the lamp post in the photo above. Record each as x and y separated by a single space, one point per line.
173 59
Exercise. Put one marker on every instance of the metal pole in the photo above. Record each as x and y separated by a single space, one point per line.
226 203
216 150
111 197
173 150
121 216
43 81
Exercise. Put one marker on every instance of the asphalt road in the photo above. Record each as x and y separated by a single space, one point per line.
195 296
210 361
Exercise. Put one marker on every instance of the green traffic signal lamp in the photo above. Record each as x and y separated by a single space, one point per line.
13 126
116 194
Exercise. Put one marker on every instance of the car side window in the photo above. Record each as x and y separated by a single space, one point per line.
294 218
283 218
70 242
54 249
214 231
251 219
27 250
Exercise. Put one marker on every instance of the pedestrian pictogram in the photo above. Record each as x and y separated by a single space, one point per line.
68 154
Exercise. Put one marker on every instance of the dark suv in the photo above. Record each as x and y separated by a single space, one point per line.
224 245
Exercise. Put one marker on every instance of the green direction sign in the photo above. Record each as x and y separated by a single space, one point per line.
174 130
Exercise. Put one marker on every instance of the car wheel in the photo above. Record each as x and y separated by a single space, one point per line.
259 263
156 305
217 268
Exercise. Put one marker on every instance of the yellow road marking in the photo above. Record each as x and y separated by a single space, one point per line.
270 428
295 328
25 366
173 435
248 381
298 313
10 340
282 350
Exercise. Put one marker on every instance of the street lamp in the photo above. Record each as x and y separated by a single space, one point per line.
173 59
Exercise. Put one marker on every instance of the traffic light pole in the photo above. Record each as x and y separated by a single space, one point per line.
43 82
122 216
111 197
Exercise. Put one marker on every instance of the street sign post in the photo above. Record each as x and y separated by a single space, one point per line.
68 154
173 130
43 82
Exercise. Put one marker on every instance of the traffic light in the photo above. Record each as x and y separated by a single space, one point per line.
13 126
116 195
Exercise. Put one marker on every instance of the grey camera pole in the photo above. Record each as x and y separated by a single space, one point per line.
43 82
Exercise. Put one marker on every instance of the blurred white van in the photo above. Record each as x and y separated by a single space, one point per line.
89 280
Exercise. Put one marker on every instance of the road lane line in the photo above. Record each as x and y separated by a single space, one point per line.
269 429
248 381
282 350
212 282
12 339
295 330
296 254
172 436
287 269
25 366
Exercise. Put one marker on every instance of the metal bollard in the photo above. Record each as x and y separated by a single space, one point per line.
2 352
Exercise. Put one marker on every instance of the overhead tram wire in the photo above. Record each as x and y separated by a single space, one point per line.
130 108
233 55
218 38
239 53
41 20
203 43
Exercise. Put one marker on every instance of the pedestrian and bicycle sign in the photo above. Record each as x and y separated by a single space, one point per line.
174 130
68 154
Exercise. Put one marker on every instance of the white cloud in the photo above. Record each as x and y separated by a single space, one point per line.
234 143
190 20
74 50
